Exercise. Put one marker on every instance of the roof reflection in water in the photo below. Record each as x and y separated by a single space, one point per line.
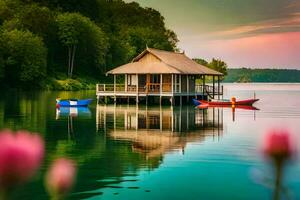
154 131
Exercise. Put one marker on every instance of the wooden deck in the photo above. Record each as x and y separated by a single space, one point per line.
111 90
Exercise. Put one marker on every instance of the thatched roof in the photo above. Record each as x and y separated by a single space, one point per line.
167 63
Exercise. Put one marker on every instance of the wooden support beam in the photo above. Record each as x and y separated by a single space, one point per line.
115 82
203 86
126 83
187 84
172 84
172 98
161 84
218 87
180 86
213 87
115 88
187 88
137 88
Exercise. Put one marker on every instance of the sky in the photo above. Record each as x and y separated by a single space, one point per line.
243 33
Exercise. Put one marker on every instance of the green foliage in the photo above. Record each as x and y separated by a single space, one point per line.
70 84
88 36
201 61
215 64
77 31
218 65
140 37
263 75
70 28
25 57
1 56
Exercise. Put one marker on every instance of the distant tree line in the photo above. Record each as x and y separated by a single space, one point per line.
263 75
43 38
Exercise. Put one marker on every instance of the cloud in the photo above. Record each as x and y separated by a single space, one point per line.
290 23
278 50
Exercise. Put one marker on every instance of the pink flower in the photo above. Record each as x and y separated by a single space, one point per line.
61 177
278 145
21 154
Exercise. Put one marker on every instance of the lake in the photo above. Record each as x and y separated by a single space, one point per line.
137 152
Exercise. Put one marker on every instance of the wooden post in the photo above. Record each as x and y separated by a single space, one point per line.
161 88
187 88
161 84
180 89
115 89
213 87
126 83
172 98
172 84
160 118
203 86
218 87
114 83
137 88
195 86
180 86
137 117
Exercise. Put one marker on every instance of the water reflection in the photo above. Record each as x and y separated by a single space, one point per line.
155 131
70 113
73 112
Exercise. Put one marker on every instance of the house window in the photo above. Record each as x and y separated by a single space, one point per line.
155 78
131 80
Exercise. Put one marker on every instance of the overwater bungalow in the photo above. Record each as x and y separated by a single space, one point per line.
162 74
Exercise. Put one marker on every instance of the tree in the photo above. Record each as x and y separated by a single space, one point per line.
75 29
201 61
218 65
140 37
215 64
25 57
93 36
1 56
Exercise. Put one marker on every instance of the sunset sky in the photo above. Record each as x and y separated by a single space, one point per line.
244 33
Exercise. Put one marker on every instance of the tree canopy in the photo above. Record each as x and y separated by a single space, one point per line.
215 64
76 37
25 58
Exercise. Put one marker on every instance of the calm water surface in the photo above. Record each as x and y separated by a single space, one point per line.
129 152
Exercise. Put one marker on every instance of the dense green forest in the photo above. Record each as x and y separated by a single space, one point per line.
263 75
68 43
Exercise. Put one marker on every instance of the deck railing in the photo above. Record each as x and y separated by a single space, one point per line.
149 88
155 88
209 89
110 88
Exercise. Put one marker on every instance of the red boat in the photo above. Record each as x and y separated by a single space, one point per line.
247 102
242 107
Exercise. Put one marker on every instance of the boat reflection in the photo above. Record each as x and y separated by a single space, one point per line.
154 131
233 108
64 112
70 113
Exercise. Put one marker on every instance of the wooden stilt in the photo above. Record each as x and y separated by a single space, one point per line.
213 87
180 100
219 88
203 86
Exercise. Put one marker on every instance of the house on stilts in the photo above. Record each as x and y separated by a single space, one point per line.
157 74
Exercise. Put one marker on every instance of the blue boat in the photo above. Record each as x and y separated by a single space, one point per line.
73 102
196 102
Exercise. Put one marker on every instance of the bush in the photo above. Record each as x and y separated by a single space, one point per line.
70 84
25 59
